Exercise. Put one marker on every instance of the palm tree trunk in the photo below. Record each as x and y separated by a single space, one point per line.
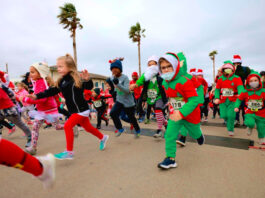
139 58
213 69
74 48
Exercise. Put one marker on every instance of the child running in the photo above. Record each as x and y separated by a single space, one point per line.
46 107
72 88
254 97
183 106
9 111
156 96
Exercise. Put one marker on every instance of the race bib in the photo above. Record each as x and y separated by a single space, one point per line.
177 103
255 105
152 93
227 92
97 103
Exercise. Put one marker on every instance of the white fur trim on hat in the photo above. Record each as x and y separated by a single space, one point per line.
173 61
236 60
153 58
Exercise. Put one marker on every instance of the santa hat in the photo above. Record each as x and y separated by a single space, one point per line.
153 58
237 59
135 74
2 78
199 72
193 71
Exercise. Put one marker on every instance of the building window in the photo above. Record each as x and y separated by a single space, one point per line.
103 86
96 84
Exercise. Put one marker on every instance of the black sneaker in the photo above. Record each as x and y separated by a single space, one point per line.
201 140
98 127
167 163
107 122
181 141
48 126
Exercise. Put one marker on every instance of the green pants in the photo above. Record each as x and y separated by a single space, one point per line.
228 114
172 134
252 119
183 131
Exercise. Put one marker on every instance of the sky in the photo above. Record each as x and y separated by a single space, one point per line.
31 32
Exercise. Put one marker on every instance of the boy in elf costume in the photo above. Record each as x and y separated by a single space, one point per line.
254 98
199 88
183 106
228 87
156 96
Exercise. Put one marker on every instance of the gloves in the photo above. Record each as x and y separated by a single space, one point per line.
115 81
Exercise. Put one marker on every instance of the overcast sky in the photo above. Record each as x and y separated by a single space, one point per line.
31 32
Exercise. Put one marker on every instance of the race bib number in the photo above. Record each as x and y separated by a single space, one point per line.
227 92
255 105
97 103
177 103
152 93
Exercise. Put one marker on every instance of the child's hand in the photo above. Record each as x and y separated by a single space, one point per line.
133 86
217 101
21 98
85 75
115 81
175 116
32 96
236 110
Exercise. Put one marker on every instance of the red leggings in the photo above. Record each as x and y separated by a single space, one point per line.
73 120
13 156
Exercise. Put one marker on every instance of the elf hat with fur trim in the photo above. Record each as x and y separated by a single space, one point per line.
199 72
237 59
153 58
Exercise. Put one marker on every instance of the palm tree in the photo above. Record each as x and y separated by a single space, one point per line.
68 18
135 33
212 56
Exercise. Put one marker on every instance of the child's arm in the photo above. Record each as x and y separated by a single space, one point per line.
52 91
9 92
88 85
31 101
125 87
140 81
240 87
217 92
240 98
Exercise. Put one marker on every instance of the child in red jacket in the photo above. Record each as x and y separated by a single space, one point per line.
254 98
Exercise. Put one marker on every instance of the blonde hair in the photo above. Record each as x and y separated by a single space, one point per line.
23 85
71 65
50 81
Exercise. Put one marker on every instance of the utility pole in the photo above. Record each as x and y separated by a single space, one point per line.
7 68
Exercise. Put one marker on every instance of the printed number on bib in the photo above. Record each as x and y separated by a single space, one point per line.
228 92
255 105
152 93
177 103
97 103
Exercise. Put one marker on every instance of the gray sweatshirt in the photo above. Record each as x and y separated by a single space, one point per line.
124 95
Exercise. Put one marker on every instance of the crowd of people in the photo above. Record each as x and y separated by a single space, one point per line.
177 99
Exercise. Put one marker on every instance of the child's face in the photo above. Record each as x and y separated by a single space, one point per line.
94 94
116 72
19 87
62 67
254 79
150 63
134 78
199 76
34 74
166 67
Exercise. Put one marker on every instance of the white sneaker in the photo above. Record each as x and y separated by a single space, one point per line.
249 131
48 175
262 141
231 133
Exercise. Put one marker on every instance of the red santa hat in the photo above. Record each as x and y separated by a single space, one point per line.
2 78
200 72
135 74
193 71
237 59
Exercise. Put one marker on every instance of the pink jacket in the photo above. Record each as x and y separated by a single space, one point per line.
22 93
48 105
